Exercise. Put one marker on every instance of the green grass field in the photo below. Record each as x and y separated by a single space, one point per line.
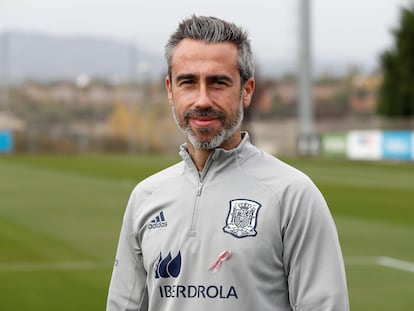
60 218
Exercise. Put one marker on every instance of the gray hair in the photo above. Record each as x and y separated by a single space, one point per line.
214 30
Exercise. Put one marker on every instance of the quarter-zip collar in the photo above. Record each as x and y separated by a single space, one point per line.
219 156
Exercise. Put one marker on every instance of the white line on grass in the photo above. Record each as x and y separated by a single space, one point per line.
60 265
396 264
383 261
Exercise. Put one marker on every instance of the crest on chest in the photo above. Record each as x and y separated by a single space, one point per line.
241 220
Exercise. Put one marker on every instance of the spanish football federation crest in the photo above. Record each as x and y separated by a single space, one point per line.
242 218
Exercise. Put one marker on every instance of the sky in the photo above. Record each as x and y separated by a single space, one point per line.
349 31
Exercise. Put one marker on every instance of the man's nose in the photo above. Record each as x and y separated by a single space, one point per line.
203 98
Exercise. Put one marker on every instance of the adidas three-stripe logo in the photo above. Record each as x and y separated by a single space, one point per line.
158 222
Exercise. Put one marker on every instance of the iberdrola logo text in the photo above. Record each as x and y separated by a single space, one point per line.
199 291
170 267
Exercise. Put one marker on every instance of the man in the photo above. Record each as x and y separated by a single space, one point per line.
230 227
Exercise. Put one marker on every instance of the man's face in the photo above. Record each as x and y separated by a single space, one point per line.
206 93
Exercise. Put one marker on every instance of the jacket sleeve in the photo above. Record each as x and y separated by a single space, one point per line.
312 256
127 290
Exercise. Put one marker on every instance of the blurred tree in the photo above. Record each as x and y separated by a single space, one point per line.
396 96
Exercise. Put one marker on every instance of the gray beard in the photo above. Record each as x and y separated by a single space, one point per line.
217 140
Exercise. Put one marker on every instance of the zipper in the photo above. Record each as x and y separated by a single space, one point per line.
200 188
200 179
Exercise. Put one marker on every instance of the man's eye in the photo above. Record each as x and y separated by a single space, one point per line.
220 82
186 82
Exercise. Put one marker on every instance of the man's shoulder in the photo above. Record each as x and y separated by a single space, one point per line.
267 165
160 178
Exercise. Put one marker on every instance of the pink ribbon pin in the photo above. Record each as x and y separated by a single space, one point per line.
217 264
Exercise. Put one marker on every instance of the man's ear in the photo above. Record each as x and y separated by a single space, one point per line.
248 89
168 86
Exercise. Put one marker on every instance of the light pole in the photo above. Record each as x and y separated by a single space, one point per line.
308 142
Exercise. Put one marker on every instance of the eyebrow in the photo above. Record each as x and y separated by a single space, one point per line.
192 76
185 76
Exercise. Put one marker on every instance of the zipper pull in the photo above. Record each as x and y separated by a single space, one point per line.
200 187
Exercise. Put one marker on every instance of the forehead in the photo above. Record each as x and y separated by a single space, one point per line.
198 55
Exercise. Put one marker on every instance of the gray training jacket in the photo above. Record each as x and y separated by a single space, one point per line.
248 233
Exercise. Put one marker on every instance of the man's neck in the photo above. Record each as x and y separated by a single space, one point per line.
200 156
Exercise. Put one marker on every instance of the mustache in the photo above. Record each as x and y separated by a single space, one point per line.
204 113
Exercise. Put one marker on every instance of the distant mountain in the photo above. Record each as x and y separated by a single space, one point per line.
35 56
43 57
